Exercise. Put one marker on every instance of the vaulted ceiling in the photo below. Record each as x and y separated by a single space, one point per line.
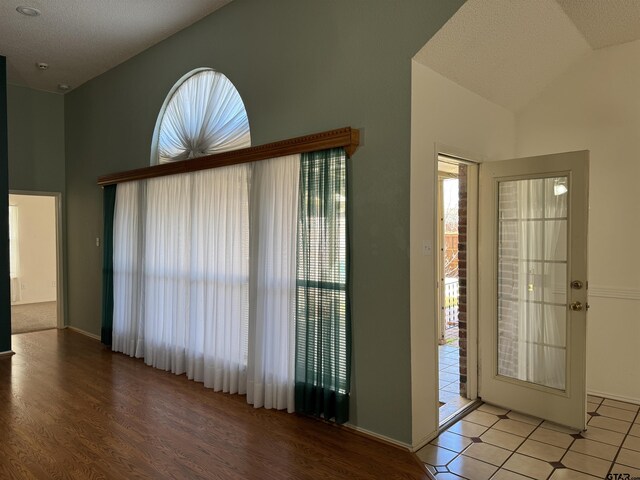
504 50
507 51
79 40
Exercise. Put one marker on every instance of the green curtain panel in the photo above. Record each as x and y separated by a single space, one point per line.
108 206
323 325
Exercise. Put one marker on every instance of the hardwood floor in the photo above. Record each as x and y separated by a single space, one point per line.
71 409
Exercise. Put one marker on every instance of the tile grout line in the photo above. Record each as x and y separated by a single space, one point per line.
521 443
574 440
624 439
512 451
528 437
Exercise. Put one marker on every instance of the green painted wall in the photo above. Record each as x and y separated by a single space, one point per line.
301 67
5 294
36 140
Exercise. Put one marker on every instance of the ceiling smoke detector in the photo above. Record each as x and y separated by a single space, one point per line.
63 86
42 66
28 11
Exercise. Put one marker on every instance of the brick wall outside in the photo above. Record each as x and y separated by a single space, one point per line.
507 281
462 275
508 304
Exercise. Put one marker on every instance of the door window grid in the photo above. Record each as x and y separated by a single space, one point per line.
531 312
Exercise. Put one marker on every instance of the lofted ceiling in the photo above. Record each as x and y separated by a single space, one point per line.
80 39
507 51
605 23
504 50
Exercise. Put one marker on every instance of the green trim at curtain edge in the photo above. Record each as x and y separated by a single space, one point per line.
109 201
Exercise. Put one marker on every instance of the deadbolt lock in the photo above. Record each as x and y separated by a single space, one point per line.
576 284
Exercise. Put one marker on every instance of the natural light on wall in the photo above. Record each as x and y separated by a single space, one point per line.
203 114
14 257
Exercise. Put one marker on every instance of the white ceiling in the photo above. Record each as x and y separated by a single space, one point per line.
80 39
605 23
507 51
504 50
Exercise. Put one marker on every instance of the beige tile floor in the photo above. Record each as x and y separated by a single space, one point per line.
494 443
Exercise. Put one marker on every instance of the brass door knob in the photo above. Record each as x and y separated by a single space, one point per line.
576 306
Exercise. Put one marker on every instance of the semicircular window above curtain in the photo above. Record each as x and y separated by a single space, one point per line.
202 115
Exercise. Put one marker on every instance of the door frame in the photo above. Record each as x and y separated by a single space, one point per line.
60 285
471 159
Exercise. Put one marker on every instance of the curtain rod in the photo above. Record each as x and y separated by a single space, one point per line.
347 137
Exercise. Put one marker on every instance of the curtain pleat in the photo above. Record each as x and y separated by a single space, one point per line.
182 274
237 276
204 116
323 331
128 285
273 215
218 279
166 271
108 206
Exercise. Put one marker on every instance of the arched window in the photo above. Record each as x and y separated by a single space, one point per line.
203 114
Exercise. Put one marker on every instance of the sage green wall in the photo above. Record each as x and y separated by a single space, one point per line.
301 67
36 140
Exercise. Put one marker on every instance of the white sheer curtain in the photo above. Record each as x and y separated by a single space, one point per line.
182 276
128 241
205 115
218 278
274 217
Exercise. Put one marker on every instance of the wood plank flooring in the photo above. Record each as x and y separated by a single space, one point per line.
71 409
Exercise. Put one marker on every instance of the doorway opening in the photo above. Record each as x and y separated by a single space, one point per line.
34 262
457 181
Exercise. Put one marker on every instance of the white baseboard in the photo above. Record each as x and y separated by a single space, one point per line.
83 332
380 437
30 302
7 354
620 398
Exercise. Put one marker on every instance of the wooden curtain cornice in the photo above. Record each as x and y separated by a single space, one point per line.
347 137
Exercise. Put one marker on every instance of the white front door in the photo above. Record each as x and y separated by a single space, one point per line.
533 285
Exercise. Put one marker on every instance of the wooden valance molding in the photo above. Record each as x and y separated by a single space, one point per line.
347 137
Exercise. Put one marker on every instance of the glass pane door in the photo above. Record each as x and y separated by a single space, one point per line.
532 270
532 278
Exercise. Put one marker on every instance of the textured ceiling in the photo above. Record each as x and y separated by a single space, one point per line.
504 50
604 23
80 39
507 51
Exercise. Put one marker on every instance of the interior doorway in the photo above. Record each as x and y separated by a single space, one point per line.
456 244
34 262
